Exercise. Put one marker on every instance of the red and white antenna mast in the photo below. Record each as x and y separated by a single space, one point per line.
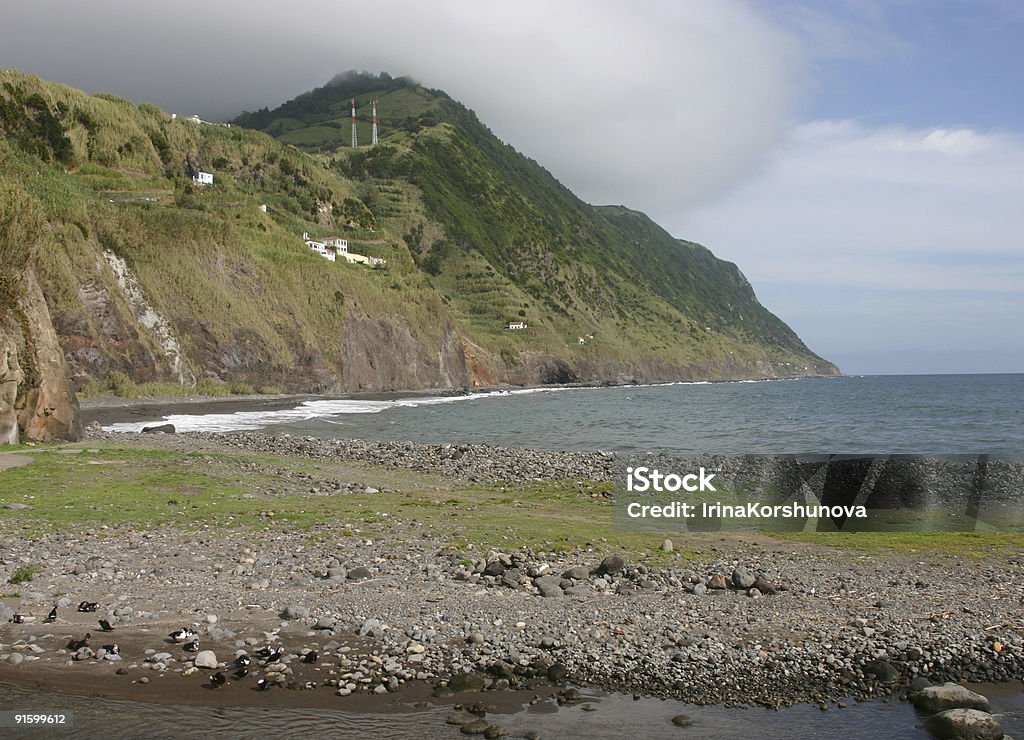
373 135
355 139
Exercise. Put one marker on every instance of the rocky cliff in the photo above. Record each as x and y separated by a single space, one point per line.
36 399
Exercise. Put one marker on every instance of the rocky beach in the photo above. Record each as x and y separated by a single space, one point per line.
448 576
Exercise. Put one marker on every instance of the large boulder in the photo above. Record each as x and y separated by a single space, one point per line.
964 724
949 695
205 659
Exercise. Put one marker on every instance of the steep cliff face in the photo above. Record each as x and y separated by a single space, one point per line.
36 399
382 354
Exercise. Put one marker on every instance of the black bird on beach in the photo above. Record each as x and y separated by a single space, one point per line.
88 606
310 657
18 619
192 647
105 626
217 680
264 652
273 658
243 661
51 617
241 673
182 635
79 644
263 684
112 649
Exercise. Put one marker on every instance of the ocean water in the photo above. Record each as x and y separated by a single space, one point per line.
904 414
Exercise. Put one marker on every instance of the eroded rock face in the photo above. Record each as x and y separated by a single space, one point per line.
11 378
35 395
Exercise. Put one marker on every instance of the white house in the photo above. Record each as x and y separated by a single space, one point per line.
337 243
203 178
335 247
319 247
515 325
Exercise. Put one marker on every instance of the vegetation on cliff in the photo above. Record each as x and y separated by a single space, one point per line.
474 235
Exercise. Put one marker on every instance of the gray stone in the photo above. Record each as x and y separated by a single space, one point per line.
466 682
512 577
882 670
359 573
666 546
549 586
373 628
159 428
294 611
15 658
611 565
699 589
949 696
919 684
325 623
741 578
682 720
205 659
494 568
557 673
476 727
579 573
964 724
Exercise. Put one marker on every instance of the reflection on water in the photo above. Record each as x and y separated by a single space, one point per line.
615 716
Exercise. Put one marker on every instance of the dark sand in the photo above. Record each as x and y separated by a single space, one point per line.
107 410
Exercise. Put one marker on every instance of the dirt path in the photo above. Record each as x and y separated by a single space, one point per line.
13 460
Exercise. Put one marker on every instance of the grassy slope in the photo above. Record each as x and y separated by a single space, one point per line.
224 273
516 243
474 234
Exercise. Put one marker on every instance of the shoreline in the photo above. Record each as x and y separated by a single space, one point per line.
107 410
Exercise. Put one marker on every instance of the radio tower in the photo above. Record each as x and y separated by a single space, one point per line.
355 139
373 135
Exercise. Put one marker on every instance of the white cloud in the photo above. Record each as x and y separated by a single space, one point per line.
653 106
873 237
919 208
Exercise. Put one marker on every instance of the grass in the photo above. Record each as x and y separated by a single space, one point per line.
149 488
142 488
23 574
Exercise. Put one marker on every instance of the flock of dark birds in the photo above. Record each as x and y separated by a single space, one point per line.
187 638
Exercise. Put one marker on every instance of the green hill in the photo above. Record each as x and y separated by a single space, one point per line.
150 277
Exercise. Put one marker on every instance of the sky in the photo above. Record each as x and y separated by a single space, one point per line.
861 161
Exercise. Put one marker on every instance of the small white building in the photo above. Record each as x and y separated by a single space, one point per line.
337 243
203 178
515 325
319 247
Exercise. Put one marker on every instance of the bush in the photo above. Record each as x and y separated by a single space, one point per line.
23 574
